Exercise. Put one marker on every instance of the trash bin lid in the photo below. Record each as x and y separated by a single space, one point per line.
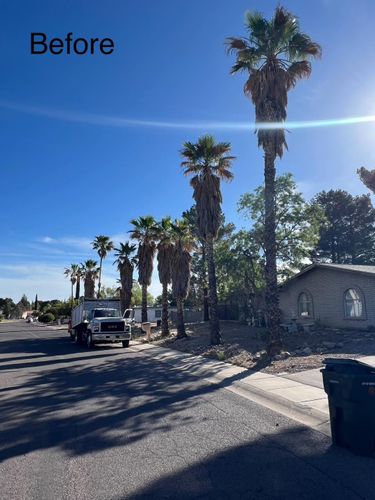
347 365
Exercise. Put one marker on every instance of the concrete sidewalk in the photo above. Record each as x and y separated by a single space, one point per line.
292 398
314 377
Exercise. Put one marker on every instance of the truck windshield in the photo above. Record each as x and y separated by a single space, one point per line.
106 313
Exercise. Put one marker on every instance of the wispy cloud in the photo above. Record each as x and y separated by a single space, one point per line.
117 121
68 241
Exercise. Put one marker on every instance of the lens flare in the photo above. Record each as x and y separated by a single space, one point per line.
123 122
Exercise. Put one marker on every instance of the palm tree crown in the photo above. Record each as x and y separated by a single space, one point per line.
276 54
209 162
145 231
125 264
164 236
124 254
103 245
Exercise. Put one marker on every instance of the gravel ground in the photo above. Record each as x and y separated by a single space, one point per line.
245 346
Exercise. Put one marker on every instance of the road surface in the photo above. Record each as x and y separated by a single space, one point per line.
112 423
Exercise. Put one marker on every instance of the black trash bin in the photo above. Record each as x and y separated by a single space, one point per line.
350 386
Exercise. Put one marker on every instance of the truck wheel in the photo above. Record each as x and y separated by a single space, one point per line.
125 343
89 342
77 337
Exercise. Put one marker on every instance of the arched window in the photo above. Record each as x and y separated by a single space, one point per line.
305 305
353 304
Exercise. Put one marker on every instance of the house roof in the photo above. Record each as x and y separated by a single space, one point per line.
351 268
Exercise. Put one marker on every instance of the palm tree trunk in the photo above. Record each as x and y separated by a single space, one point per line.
78 288
181 333
144 303
100 276
214 320
272 296
206 314
164 314
72 296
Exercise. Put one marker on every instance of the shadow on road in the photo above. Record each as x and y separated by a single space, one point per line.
283 466
127 397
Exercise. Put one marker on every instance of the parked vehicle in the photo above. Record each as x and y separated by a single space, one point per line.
97 321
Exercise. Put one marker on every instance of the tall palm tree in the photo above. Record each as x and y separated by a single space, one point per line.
165 253
103 245
79 276
275 54
71 272
180 269
209 163
90 272
125 264
144 232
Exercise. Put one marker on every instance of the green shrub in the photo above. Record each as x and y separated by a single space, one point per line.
1 317
221 355
46 318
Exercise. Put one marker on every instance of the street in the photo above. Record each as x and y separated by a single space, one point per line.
112 423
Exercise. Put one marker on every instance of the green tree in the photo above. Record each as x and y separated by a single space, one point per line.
240 271
180 269
136 299
7 306
103 245
165 252
275 54
125 264
297 224
348 234
24 303
208 162
145 232
110 292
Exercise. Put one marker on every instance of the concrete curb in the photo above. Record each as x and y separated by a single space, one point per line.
305 404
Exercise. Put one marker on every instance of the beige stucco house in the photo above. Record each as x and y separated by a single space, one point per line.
336 295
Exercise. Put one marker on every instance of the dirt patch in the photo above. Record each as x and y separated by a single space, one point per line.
245 346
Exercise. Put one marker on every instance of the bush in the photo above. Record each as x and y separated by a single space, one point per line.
1 317
46 318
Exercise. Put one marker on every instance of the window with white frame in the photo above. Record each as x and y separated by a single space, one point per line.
305 305
353 304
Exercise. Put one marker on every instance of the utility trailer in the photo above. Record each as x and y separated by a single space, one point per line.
98 321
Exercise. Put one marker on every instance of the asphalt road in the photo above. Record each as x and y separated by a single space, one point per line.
112 423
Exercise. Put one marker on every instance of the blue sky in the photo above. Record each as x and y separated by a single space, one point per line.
73 167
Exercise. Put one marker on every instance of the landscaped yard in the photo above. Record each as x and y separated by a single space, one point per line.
245 346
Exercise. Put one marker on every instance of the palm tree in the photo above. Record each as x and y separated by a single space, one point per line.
180 269
275 54
145 233
209 163
79 276
103 245
165 253
125 264
71 272
90 273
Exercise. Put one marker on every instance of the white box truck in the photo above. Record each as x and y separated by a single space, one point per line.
97 321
